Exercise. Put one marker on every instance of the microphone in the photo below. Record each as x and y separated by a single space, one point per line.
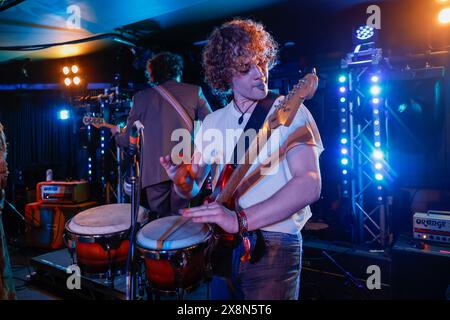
132 151
134 137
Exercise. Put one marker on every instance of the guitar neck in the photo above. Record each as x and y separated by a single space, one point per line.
238 174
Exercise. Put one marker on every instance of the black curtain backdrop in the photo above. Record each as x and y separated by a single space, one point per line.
38 139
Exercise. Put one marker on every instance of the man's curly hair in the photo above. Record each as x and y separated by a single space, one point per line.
232 48
165 66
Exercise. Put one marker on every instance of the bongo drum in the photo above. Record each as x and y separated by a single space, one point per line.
174 252
100 237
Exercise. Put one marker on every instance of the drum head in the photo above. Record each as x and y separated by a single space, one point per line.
172 233
110 218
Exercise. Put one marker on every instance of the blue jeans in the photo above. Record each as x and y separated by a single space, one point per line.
276 276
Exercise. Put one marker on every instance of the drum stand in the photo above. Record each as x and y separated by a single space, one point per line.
135 179
131 268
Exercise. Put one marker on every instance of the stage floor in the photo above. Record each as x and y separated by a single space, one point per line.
51 273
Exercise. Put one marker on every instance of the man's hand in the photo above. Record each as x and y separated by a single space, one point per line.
214 213
115 130
182 175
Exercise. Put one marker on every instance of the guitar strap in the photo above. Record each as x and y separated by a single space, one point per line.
255 122
176 105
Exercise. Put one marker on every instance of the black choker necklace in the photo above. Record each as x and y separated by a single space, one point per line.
241 118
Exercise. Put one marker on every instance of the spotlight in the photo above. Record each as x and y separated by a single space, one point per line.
378 166
67 81
375 90
444 16
344 161
344 151
64 114
379 176
342 89
377 144
342 79
76 80
342 99
66 70
376 122
376 100
376 111
364 33
378 154
74 68
344 140
375 79
344 171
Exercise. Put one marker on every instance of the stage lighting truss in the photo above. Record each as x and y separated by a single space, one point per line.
363 157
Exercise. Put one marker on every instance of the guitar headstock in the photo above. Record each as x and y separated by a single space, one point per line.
95 121
303 90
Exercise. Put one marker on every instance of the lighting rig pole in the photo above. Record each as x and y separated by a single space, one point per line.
363 135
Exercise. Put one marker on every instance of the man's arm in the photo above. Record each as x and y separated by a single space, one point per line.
122 138
303 189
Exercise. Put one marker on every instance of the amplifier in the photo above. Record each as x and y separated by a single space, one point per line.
432 226
46 222
62 192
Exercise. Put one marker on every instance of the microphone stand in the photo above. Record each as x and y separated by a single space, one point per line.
135 179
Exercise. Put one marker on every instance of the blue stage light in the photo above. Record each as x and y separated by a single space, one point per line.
377 144
375 90
342 89
344 161
344 151
378 166
343 99
344 140
379 176
344 171
378 154
364 32
64 114
342 79
376 100
375 79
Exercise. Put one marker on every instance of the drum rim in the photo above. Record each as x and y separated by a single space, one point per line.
155 254
207 237
79 236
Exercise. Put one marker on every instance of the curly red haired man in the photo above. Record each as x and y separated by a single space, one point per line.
237 60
